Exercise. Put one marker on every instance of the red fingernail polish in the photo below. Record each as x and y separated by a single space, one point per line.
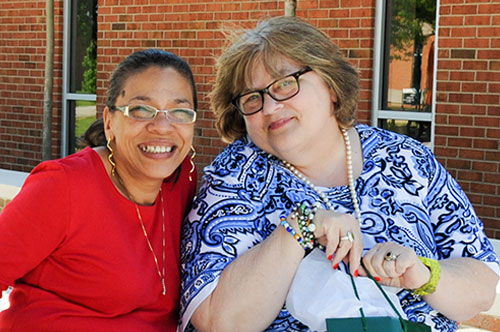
377 278
336 266
356 273
330 257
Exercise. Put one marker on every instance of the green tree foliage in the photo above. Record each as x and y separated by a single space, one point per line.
89 63
408 20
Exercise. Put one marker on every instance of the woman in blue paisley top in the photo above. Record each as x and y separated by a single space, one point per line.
284 97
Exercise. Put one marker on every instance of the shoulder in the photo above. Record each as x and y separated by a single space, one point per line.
237 161
373 137
399 153
72 167
382 142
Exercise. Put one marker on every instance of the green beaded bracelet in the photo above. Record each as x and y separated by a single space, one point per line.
430 286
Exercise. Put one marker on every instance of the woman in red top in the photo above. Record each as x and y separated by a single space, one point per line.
91 243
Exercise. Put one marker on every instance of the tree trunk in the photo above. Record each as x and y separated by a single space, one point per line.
290 7
48 86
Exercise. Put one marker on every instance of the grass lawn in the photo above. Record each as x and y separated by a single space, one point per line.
82 124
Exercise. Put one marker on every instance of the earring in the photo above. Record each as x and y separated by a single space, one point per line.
192 163
110 157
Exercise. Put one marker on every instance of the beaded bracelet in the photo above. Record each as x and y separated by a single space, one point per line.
290 230
304 216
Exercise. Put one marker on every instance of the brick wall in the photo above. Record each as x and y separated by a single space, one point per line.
22 63
468 96
468 102
191 29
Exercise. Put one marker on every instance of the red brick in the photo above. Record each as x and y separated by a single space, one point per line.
486 144
461 76
476 42
474 87
487 76
460 98
463 32
489 9
469 176
487 99
471 154
464 9
489 54
493 110
458 164
484 189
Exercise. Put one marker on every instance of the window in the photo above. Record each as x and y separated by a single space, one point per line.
79 70
405 47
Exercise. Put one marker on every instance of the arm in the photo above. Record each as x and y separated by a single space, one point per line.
252 289
34 223
466 285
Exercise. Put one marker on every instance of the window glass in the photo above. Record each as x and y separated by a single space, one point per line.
82 115
83 47
420 130
408 55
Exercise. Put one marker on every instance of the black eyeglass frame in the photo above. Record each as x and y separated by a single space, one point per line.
295 75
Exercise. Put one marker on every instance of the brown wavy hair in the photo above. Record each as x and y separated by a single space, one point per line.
271 40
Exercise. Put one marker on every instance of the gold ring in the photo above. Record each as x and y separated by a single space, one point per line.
349 236
390 256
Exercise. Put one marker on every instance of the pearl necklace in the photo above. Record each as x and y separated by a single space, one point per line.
350 178
160 274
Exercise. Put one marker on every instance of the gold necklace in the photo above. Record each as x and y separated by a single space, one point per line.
162 275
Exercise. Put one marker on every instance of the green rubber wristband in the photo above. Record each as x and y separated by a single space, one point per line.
430 286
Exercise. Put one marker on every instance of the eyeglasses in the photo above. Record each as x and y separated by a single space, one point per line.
282 89
146 113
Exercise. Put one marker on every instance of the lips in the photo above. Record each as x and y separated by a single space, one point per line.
279 123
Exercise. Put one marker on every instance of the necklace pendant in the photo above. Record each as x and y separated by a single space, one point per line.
163 285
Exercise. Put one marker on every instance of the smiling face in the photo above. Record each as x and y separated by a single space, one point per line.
150 149
292 129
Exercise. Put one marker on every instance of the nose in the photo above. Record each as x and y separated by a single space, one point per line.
270 105
160 123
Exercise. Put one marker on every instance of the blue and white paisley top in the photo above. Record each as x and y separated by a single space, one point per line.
405 196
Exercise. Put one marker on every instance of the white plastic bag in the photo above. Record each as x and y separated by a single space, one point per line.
319 292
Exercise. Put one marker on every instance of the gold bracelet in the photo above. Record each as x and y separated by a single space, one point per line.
430 286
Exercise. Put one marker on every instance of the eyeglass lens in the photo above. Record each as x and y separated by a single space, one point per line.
280 90
145 112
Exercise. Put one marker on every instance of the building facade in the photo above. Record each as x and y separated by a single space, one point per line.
440 84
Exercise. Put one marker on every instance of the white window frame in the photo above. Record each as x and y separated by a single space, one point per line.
67 95
377 82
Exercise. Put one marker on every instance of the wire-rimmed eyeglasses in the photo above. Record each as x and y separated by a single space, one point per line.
281 89
147 112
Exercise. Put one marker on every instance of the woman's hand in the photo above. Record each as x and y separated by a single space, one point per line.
396 266
341 235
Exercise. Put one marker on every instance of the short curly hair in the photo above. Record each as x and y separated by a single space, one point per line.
272 39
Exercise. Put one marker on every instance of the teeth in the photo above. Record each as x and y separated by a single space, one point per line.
156 149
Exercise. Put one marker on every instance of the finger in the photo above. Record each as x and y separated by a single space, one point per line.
367 260
377 261
404 261
355 255
341 252
390 268
331 249
359 247
354 261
